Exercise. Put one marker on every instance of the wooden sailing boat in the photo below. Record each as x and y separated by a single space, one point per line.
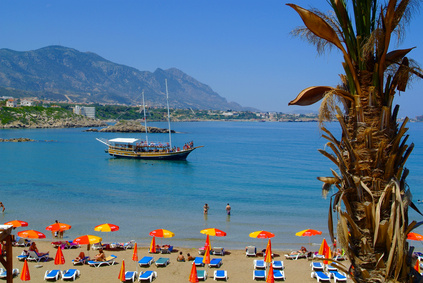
143 149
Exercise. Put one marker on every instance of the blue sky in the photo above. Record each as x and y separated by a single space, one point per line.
241 49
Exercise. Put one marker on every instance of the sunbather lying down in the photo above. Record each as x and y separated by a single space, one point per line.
81 258
303 250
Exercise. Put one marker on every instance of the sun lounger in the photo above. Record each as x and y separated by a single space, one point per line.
201 251
81 261
52 274
220 274
277 264
166 250
278 274
251 251
330 268
130 276
147 275
146 261
129 245
163 261
338 276
259 274
33 256
3 272
295 256
70 274
320 276
198 261
317 266
216 262
318 256
110 260
259 264
218 251
22 242
23 255
202 275
96 246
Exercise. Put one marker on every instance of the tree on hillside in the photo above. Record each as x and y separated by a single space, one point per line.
372 196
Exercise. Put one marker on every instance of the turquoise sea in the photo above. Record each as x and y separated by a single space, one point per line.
266 171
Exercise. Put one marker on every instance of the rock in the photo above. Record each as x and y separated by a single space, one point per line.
132 127
17 140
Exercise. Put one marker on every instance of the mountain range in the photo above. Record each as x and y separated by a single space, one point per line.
64 74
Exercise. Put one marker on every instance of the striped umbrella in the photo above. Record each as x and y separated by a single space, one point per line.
31 234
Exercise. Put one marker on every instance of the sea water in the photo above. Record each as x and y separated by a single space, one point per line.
265 171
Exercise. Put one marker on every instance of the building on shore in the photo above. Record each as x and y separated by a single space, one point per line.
84 111
11 103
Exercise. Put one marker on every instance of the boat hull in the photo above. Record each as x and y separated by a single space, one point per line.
177 155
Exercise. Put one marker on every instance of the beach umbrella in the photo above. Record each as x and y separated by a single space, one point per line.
87 240
135 254
262 235
268 254
58 227
59 259
207 244
122 272
308 233
17 223
106 227
325 251
417 266
162 233
213 232
414 236
193 275
31 234
206 257
270 277
25 272
153 245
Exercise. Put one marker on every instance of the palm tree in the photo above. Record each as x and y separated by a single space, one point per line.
372 197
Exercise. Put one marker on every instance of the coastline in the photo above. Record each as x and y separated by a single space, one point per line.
239 267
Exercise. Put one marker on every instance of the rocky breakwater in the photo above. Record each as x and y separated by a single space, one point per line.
17 140
130 127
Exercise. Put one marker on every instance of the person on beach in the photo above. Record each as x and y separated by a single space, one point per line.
34 248
100 256
228 209
2 206
189 257
180 257
206 208
81 258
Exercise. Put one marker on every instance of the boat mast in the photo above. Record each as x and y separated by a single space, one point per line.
145 119
168 115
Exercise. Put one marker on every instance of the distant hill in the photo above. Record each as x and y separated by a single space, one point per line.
65 74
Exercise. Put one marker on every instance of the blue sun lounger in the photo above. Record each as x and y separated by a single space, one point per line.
70 274
317 266
216 262
130 276
320 276
278 274
220 274
338 276
146 261
147 275
277 264
52 274
259 264
198 261
259 274
3 272
202 275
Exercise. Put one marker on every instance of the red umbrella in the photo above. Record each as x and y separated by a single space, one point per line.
153 245
25 272
261 235
32 234
87 240
58 227
121 276
162 233
106 227
207 242
414 236
193 275
17 223
325 250
308 233
270 277
59 259
206 257
213 232
268 252
135 254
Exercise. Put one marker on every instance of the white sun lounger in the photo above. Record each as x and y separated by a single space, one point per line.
3 272
202 275
147 275
251 251
70 274
216 262
130 276
259 274
259 264
32 255
277 264
198 261
110 260
220 274
52 274
278 274
163 261
317 266
338 276
146 261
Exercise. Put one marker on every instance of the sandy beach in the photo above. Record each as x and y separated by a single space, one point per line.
239 267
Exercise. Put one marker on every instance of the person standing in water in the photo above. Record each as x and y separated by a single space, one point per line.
228 209
206 208
2 206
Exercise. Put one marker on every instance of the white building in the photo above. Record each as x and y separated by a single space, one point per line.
84 111
11 103
26 102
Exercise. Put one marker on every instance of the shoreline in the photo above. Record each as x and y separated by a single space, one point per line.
239 267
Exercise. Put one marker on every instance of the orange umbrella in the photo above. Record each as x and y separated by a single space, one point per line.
414 236
193 275
417 266
213 232
31 234
207 242
58 227
153 245
87 240
106 227
162 233
206 257
25 272
325 251
308 233
121 276
59 259
268 257
17 223
135 254
270 277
